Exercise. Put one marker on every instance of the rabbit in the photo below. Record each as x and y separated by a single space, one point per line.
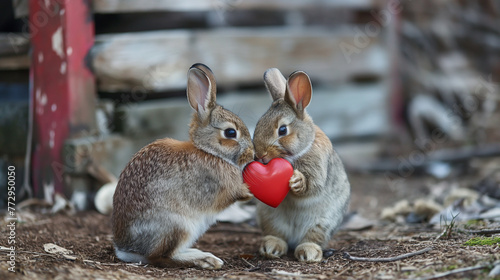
170 192
319 188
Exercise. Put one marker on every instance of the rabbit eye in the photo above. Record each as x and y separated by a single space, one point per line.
230 133
282 130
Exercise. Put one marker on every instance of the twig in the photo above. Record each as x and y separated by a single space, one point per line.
41 254
99 263
248 262
297 274
55 256
440 235
342 272
484 231
33 201
455 271
391 259
234 231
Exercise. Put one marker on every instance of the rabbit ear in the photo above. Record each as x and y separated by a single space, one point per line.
201 89
275 83
298 91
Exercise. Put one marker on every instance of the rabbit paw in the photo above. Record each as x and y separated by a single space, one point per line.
247 195
309 252
209 262
273 247
297 183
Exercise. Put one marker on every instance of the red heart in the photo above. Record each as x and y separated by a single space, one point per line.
269 183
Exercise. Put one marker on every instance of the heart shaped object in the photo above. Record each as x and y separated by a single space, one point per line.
269 183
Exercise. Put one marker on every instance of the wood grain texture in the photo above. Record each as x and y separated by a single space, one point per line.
130 6
117 6
156 61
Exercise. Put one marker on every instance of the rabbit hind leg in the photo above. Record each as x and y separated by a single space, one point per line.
174 252
310 248
188 258
198 258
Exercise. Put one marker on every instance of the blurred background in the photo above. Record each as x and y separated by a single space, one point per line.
402 88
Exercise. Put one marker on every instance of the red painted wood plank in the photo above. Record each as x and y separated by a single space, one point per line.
62 33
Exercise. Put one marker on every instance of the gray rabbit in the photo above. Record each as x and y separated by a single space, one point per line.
319 188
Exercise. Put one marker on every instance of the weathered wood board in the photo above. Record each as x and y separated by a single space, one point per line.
127 6
14 44
342 112
157 61
15 62
14 51
114 6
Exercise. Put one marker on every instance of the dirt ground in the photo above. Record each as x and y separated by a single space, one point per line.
88 235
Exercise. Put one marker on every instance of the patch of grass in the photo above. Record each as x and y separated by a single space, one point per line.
451 267
482 241
424 272
448 228
474 223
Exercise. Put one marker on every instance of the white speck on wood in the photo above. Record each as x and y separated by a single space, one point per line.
63 67
57 42
53 107
43 100
51 140
40 57
69 51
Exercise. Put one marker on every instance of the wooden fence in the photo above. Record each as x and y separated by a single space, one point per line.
343 45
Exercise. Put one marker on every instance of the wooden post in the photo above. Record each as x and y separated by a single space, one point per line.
63 88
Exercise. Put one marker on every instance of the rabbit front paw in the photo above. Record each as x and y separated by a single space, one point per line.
273 247
209 262
297 183
309 252
245 195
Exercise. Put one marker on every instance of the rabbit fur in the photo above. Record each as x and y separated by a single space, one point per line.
170 192
319 188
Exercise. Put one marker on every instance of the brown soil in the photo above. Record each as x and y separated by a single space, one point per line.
88 235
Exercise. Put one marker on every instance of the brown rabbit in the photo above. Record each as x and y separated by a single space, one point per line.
314 208
170 192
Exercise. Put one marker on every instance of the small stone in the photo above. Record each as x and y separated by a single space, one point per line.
414 218
328 253
468 196
427 208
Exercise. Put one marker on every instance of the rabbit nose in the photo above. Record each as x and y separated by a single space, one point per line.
262 158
